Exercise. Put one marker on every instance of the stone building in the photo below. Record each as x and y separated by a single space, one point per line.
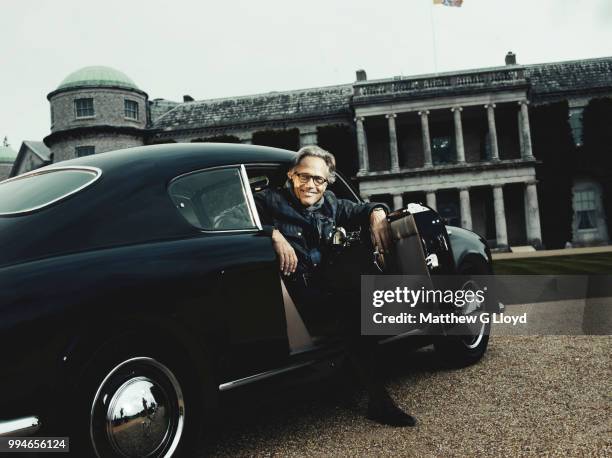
93 110
7 158
32 155
459 141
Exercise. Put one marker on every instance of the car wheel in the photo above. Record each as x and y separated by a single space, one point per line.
139 403
469 344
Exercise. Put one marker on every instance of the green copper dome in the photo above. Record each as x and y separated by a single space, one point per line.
97 76
7 154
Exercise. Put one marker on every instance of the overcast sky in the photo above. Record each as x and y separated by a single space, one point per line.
212 49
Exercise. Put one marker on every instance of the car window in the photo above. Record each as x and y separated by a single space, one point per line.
213 200
36 190
342 190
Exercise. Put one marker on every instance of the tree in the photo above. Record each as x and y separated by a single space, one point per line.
597 149
554 146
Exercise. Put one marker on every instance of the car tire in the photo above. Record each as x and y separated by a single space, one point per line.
467 349
138 401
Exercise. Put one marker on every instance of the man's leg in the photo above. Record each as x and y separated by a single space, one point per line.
363 358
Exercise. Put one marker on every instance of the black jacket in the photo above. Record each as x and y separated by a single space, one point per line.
309 231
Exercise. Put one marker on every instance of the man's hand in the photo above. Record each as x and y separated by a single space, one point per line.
380 230
286 254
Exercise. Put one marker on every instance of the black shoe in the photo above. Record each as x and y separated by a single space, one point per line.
391 415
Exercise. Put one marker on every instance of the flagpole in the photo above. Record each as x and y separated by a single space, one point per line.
433 36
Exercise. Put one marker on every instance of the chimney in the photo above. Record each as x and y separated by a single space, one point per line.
361 75
187 98
510 58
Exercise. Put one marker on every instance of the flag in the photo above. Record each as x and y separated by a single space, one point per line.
448 2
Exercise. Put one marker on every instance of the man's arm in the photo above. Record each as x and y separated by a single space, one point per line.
370 214
261 203
286 254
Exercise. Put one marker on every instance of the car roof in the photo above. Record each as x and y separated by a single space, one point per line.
128 204
176 158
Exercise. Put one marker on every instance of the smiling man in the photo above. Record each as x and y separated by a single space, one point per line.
301 217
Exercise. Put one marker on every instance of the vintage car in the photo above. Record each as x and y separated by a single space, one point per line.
137 286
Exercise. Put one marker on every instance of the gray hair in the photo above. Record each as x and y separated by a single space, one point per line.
317 151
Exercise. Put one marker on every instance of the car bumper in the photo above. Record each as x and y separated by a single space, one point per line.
19 427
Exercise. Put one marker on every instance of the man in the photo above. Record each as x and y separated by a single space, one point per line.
301 218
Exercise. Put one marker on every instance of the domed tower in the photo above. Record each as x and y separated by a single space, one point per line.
93 110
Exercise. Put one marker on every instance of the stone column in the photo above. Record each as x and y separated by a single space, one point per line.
393 143
501 231
426 140
525 131
398 201
308 136
459 134
532 214
362 145
492 131
520 132
431 199
466 208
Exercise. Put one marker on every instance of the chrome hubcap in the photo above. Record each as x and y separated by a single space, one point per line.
138 411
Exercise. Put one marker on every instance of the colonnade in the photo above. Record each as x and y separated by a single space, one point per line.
523 126
531 208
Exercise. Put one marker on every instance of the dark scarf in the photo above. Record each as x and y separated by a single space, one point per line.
310 211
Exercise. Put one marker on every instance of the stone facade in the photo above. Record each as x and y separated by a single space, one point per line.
30 162
110 127
5 170
458 141
66 149
108 106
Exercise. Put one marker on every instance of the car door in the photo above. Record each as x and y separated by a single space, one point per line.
305 338
252 335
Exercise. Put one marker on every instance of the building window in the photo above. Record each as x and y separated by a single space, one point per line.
585 207
85 150
575 121
442 150
52 116
131 109
84 108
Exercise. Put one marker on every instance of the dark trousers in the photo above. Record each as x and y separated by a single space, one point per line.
327 307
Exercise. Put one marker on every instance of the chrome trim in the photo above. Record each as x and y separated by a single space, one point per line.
412 332
476 342
359 199
24 426
261 376
44 171
432 261
246 187
173 380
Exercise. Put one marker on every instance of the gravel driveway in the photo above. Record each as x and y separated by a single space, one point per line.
529 396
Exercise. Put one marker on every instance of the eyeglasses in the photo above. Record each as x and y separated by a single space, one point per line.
306 177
